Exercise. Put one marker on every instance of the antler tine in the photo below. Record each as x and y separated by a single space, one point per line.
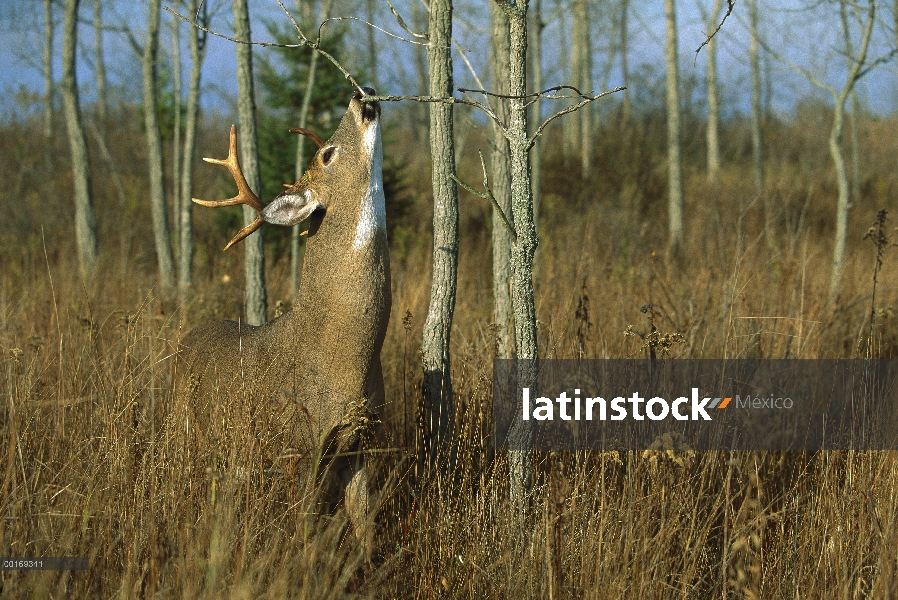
244 194
309 134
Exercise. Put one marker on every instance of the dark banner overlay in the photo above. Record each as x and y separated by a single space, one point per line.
697 404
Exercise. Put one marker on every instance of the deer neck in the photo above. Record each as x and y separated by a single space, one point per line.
371 221
346 270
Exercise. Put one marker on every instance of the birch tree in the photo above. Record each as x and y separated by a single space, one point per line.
854 114
757 148
624 58
857 68
438 325
295 236
858 64
85 228
582 78
255 300
372 66
48 75
674 162
712 138
176 134
161 238
500 182
197 55
100 66
420 22
520 438
535 56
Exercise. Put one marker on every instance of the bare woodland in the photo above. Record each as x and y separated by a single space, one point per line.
563 179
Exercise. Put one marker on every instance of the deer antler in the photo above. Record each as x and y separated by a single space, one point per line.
309 134
244 194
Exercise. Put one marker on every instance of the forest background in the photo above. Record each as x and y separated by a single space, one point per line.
95 463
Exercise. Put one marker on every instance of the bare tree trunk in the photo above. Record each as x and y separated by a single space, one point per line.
48 76
674 163
854 115
85 228
624 58
713 100
197 54
295 237
856 168
176 141
438 325
419 18
520 437
536 77
100 67
843 202
570 129
757 153
154 152
372 45
583 80
254 257
500 182
856 63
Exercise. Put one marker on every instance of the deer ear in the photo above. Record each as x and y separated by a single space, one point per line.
290 209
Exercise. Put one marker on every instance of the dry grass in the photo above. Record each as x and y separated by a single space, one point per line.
98 460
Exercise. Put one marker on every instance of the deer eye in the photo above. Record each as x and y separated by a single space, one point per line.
328 155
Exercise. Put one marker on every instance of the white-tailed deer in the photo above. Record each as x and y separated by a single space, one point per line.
319 363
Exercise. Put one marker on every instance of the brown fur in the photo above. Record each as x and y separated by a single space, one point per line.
318 365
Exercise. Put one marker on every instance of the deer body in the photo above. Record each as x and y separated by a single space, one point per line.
318 365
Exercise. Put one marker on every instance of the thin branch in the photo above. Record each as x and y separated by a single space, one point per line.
542 94
304 41
797 68
235 40
730 5
296 26
488 196
424 36
569 109
398 37
464 57
878 61
859 66
401 21
444 99
132 40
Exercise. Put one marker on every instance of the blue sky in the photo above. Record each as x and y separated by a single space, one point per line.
809 38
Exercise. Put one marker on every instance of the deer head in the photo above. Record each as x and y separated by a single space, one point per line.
345 169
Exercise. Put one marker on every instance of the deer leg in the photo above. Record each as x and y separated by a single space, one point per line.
356 499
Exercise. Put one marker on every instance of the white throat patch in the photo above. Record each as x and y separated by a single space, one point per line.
373 213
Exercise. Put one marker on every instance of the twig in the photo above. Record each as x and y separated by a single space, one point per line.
235 40
542 94
317 47
730 5
304 42
444 99
569 109
464 57
398 37
488 196
401 21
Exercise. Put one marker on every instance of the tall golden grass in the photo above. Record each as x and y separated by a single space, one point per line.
98 458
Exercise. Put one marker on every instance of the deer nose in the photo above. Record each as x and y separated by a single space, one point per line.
368 92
